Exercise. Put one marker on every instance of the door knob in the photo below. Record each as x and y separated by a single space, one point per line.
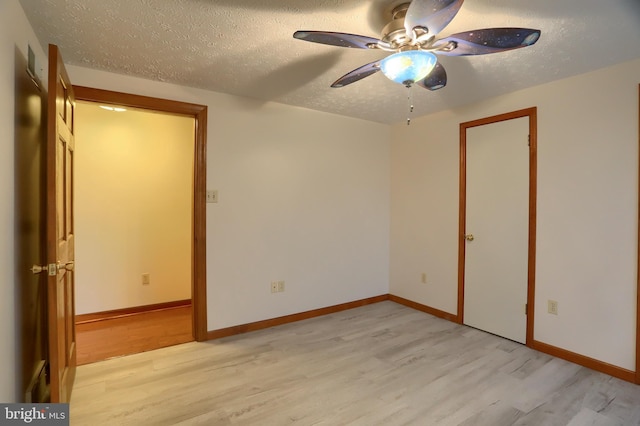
68 266
51 269
468 237
36 269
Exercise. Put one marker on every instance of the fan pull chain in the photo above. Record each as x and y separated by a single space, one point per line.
409 103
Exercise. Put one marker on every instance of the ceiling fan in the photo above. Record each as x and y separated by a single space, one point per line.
411 36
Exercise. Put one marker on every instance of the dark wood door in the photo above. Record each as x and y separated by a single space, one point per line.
30 146
60 232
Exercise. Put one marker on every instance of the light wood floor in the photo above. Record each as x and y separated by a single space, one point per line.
132 334
382 364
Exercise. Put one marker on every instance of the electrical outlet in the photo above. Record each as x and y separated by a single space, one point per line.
552 307
212 196
146 278
423 278
277 286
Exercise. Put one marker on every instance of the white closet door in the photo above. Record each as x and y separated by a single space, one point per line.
497 215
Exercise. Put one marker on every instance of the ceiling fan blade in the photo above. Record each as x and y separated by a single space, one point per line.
357 74
490 40
436 79
430 16
337 39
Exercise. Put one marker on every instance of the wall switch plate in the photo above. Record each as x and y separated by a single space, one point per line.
552 307
212 196
423 278
146 278
280 286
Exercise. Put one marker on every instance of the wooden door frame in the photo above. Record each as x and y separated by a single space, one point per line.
198 254
532 114
638 261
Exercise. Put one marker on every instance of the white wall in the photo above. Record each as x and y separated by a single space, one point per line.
15 32
133 207
587 209
304 198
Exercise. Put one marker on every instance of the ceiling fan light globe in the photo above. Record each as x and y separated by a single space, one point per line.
408 67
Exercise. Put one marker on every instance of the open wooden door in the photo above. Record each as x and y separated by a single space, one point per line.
60 238
30 174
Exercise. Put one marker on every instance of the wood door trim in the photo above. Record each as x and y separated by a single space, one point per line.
638 263
532 114
199 113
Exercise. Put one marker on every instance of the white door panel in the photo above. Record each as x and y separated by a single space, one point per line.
497 215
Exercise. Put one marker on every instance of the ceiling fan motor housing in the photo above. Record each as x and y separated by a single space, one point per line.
395 36
394 32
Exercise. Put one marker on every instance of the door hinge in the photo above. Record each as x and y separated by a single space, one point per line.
529 140
526 309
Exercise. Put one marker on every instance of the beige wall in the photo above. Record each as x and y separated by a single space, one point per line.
133 204
587 209
303 198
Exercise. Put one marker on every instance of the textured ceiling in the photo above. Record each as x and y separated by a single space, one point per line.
246 48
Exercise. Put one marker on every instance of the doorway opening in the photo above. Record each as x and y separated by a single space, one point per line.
179 279
529 235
